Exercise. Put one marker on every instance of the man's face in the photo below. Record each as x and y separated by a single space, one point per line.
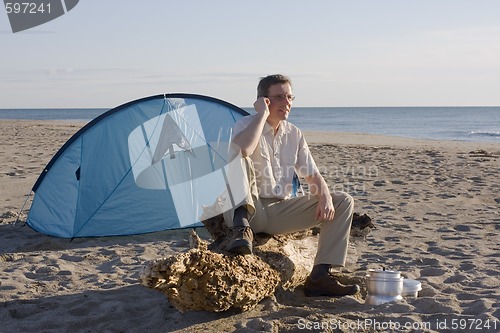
281 104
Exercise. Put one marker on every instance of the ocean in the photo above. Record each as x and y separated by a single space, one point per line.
480 124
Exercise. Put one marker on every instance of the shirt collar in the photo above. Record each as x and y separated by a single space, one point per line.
281 130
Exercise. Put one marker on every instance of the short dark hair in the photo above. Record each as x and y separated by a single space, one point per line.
266 82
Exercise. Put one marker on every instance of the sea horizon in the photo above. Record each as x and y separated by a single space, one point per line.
460 123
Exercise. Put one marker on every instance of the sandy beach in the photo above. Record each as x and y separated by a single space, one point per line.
435 205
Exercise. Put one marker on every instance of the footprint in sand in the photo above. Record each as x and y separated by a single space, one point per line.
432 305
256 325
80 308
467 266
476 308
462 227
430 261
21 312
457 278
72 258
432 271
466 296
379 183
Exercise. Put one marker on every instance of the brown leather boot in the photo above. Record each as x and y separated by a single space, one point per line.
327 285
241 241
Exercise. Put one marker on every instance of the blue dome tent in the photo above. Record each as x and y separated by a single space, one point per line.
148 165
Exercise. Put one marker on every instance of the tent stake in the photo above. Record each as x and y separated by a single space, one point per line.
22 208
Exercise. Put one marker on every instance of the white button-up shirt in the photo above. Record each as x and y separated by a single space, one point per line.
278 157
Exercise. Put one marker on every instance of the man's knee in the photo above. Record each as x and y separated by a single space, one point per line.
343 201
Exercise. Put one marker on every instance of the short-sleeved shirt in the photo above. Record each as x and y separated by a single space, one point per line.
278 157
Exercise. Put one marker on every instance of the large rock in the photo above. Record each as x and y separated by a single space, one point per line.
208 278
201 279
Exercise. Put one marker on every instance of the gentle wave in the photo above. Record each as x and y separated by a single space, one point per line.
482 133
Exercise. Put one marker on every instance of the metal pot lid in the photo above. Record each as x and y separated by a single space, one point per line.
384 274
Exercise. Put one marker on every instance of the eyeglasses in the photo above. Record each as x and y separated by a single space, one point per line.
281 98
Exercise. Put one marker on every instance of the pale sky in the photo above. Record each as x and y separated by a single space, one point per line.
104 53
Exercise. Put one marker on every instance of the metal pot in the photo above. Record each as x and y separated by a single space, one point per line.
383 286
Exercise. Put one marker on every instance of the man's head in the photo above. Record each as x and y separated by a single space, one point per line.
277 89
266 82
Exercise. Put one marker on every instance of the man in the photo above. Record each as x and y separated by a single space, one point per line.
273 151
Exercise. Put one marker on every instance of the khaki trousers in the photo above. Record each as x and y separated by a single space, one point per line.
279 216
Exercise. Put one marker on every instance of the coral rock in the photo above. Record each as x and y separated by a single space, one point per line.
204 280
